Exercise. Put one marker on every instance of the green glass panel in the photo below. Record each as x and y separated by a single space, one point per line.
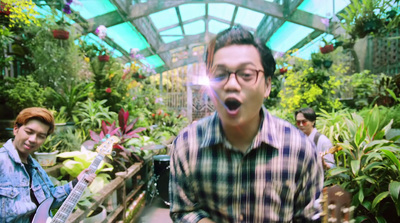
90 9
194 28
154 60
221 10
171 35
288 35
126 36
191 11
164 18
215 26
248 18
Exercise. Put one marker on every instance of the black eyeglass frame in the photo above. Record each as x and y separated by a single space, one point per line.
228 75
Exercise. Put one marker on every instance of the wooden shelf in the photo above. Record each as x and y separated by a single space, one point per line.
119 185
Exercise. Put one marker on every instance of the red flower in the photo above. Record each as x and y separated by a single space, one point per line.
153 114
283 70
108 90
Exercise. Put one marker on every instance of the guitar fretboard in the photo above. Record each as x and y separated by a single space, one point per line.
68 206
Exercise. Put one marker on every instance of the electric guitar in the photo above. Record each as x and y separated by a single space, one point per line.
336 202
42 214
336 205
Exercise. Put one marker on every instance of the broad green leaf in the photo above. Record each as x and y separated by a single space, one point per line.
372 165
380 219
359 137
355 167
72 167
337 170
367 205
372 122
365 178
394 189
360 219
360 194
379 198
392 157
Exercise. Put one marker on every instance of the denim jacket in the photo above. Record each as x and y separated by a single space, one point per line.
15 199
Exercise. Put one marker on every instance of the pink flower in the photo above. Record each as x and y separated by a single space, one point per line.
108 90
101 32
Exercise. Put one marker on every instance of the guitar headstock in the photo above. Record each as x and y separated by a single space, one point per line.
336 205
106 147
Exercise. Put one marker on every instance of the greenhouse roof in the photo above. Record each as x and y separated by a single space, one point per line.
168 32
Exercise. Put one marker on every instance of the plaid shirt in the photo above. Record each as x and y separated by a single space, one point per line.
277 180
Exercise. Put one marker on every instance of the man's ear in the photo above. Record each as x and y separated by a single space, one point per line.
268 85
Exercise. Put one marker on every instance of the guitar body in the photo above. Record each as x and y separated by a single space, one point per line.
42 214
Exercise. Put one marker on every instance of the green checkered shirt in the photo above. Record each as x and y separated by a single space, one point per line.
277 180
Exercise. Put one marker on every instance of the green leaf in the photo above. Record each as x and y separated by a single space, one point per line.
379 198
337 170
392 157
394 189
372 122
361 219
355 167
380 219
360 194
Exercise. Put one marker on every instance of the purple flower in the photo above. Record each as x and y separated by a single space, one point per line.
68 2
325 21
67 9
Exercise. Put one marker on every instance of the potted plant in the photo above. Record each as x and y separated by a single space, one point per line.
60 32
46 155
316 59
368 167
123 157
101 32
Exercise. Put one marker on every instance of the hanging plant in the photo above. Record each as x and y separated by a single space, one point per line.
104 58
4 9
60 34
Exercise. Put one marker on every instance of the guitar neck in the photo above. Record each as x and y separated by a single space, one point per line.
68 206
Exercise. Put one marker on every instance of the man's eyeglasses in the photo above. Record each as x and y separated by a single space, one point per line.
245 76
303 122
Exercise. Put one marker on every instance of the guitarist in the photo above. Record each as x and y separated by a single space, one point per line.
23 182
305 121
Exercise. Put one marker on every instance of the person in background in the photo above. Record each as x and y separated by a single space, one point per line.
23 182
241 164
305 120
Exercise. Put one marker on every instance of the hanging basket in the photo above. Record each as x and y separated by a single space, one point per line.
326 49
104 58
60 34
2 10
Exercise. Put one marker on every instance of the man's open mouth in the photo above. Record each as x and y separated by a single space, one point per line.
232 104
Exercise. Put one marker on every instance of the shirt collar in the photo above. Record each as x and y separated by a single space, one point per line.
13 153
267 133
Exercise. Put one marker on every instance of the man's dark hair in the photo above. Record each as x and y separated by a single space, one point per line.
237 35
308 113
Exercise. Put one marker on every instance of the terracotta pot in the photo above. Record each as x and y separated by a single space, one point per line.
60 34
104 58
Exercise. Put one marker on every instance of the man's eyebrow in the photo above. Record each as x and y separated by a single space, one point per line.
242 65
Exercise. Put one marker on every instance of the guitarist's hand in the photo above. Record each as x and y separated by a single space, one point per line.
88 177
